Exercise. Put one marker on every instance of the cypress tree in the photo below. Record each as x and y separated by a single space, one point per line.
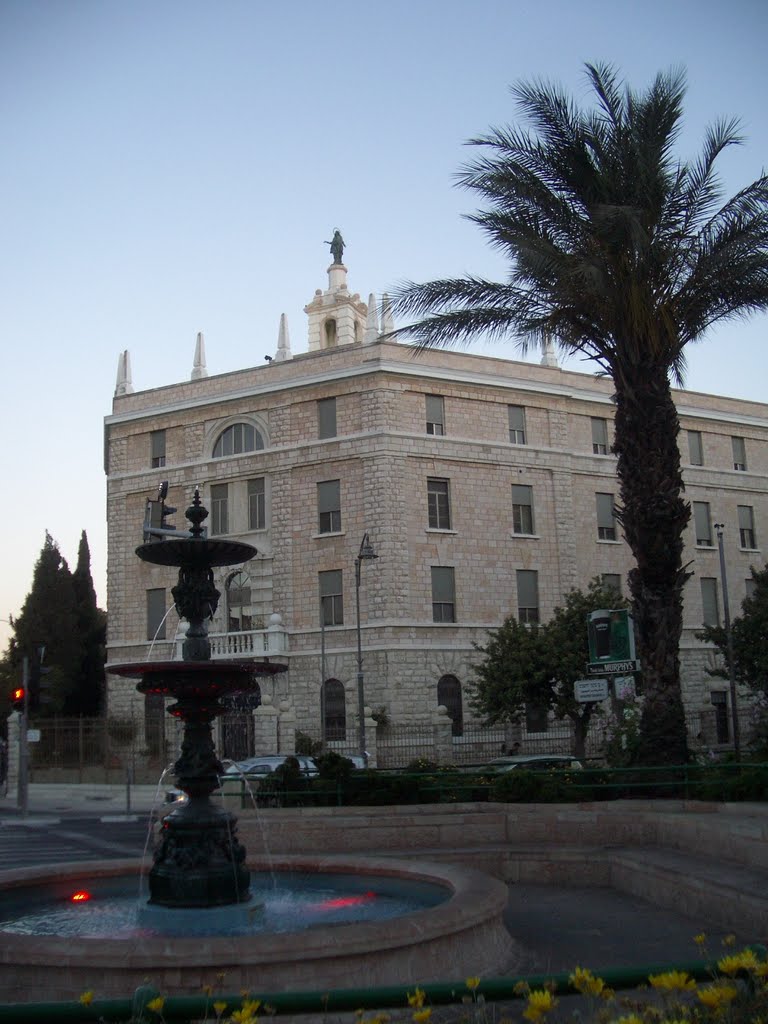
87 697
49 615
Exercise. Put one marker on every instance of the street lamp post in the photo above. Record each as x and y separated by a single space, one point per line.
366 553
719 527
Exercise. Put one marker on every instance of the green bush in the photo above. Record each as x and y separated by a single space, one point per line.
521 786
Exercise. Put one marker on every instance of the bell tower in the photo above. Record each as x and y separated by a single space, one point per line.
335 317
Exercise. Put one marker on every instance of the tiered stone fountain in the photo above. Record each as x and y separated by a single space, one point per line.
194 930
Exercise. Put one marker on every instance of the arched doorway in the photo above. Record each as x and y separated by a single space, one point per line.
449 694
333 709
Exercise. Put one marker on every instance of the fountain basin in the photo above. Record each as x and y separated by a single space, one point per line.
463 936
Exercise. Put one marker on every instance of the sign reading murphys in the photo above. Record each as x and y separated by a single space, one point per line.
611 635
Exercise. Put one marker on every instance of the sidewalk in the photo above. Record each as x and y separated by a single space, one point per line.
83 800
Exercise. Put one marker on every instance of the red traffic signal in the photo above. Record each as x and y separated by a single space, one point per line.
17 698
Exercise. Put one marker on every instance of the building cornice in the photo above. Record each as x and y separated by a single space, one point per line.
372 363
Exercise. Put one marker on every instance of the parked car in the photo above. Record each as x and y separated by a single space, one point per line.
534 763
258 767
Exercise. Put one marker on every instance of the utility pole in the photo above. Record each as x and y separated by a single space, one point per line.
719 527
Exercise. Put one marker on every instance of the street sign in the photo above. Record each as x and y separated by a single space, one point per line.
586 690
612 668
624 688
33 735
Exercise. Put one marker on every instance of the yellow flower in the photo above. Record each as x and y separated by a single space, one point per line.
472 983
422 1016
715 997
417 998
540 1002
743 961
729 940
585 982
251 1005
700 939
219 1007
672 981
156 1004
630 1018
87 997
243 1017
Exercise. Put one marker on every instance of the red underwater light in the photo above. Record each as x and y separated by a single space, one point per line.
81 896
347 901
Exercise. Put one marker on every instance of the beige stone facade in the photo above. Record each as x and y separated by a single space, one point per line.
415 436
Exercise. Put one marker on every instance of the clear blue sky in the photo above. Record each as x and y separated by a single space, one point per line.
175 167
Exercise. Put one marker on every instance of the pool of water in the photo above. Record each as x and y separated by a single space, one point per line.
281 902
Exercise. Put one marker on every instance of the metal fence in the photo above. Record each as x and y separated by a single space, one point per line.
104 750
400 745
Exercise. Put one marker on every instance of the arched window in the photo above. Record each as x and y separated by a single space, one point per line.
449 694
333 710
239 438
330 333
239 611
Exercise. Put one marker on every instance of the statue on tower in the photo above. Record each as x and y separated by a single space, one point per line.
337 246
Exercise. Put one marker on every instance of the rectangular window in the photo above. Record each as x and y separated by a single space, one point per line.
527 595
695 448
536 717
438 505
612 581
709 602
156 614
522 509
739 453
157 449
329 506
606 517
331 598
219 508
517 433
702 523
443 594
435 414
747 526
750 587
257 510
599 436
326 417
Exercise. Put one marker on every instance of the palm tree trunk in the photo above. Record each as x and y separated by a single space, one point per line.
654 515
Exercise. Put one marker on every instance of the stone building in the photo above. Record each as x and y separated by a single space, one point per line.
484 486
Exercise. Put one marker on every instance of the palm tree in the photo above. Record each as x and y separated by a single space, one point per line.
622 253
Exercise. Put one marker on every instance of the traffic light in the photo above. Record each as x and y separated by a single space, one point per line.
155 525
17 698
37 683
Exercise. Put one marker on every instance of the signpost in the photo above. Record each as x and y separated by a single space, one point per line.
612 668
586 690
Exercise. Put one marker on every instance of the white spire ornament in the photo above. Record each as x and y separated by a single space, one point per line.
283 340
371 322
199 369
124 385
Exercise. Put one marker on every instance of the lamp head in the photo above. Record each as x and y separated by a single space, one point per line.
366 549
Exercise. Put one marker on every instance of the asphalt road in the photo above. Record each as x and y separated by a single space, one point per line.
41 841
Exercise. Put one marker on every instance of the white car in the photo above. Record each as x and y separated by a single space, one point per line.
261 766
534 763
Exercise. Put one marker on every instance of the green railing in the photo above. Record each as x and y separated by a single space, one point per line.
201 1007
722 781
